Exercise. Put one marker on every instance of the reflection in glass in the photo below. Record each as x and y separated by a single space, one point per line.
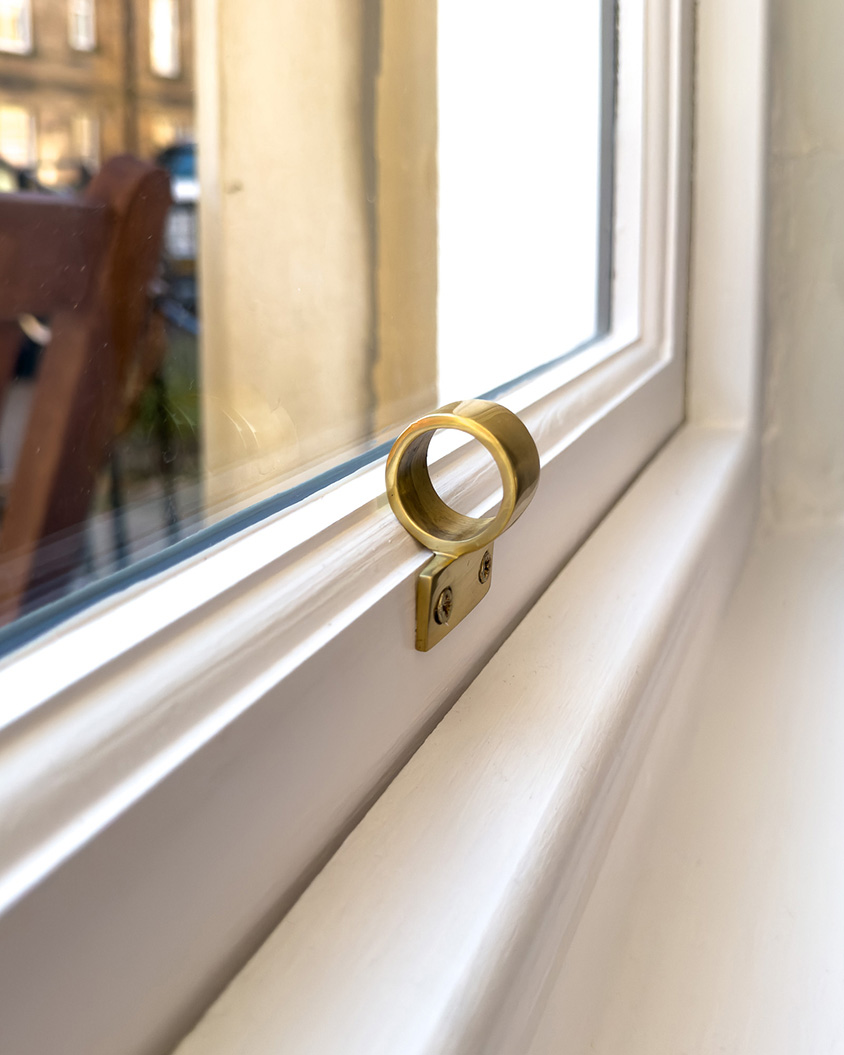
82 32
17 136
164 37
15 26
393 205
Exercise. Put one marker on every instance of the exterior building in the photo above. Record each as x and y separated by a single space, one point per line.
81 80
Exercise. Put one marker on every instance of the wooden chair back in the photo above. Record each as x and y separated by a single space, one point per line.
86 265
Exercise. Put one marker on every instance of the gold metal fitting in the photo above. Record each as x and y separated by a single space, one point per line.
420 509
452 535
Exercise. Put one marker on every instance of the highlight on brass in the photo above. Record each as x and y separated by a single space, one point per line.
221 280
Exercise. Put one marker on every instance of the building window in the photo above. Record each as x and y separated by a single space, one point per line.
82 31
85 130
164 37
17 136
16 26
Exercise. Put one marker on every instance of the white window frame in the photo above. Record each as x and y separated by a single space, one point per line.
82 24
150 741
449 918
21 45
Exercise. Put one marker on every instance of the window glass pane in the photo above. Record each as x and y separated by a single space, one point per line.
15 26
164 37
17 135
519 186
329 218
81 27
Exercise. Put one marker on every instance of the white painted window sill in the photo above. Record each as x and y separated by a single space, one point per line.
717 922
437 924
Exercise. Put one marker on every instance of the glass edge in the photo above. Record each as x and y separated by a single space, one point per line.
50 615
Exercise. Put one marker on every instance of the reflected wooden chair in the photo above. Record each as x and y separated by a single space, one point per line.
87 266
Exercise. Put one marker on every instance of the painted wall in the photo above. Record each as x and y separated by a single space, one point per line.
804 437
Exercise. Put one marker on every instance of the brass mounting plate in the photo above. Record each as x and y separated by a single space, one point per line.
447 590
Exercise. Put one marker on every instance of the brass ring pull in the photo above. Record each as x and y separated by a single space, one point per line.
420 509
455 580
459 576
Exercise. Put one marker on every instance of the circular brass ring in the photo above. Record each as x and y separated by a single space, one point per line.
412 495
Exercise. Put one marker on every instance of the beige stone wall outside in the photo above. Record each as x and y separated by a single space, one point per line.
56 82
318 233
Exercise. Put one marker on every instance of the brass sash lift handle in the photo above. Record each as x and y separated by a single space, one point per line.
459 574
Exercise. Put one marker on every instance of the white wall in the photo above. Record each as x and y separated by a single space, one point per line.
804 441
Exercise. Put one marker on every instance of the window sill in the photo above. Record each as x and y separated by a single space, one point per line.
717 922
436 924
201 721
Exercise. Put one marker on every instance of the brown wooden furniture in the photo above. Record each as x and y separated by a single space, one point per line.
86 265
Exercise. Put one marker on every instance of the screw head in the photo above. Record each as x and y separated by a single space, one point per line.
442 609
485 569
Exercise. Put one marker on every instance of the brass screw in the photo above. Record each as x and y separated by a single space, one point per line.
485 569
442 609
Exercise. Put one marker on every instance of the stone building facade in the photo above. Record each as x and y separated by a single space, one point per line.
81 80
